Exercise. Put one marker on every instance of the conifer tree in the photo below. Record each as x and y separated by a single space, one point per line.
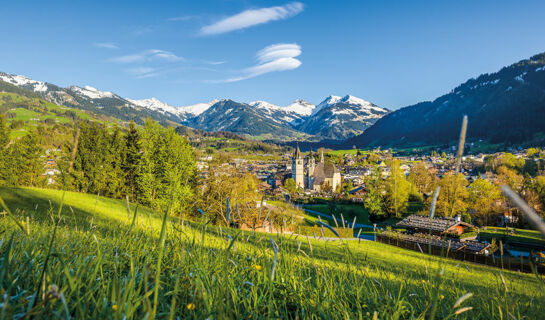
167 172
4 141
132 160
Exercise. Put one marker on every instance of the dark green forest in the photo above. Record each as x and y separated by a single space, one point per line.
151 164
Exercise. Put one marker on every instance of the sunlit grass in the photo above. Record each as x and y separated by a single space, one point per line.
103 270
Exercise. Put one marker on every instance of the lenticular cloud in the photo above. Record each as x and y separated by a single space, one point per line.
278 51
276 57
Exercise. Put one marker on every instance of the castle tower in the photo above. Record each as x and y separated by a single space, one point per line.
311 164
297 169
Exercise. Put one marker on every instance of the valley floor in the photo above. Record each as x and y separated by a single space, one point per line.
96 264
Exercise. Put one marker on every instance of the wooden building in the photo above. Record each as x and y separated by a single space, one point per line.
438 226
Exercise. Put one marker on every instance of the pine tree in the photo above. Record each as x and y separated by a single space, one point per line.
167 174
4 132
132 160
4 141
24 162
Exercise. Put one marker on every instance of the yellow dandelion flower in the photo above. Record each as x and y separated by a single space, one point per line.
191 306
442 297
257 267
423 281
114 307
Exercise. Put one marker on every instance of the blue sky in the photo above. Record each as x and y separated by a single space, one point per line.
393 53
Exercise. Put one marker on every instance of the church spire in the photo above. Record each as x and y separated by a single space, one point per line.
322 156
297 153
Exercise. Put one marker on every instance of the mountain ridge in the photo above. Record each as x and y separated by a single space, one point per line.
289 119
506 106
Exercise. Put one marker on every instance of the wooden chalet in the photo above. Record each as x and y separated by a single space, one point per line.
438 226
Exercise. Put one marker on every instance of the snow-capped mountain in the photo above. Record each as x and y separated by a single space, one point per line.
301 107
242 118
92 99
184 112
341 118
335 117
24 82
292 114
91 93
196 109
330 100
155 104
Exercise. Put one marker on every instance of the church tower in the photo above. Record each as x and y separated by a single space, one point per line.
311 164
297 169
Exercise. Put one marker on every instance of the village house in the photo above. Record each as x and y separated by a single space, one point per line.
437 226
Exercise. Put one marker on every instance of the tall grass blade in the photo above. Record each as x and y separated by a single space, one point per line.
10 215
530 214
461 144
159 260
434 202
330 228
231 244
41 279
462 299
228 211
275 249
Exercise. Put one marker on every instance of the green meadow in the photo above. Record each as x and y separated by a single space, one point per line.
94 258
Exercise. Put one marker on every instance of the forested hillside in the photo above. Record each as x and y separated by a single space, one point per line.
506 106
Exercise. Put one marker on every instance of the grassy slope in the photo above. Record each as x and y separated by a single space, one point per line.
348 211
105 271
40 109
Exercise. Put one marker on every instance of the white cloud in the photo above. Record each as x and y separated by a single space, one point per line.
253 17
106 45
148 55
276 57
277 51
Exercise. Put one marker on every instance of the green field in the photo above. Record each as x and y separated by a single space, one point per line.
348 211
349 151
520 235
32 111
99 267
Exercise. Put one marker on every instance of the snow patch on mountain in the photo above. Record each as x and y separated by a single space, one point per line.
91 92
301 107
197 109
20 81
155 104
331 100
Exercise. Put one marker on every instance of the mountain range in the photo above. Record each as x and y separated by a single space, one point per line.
334 118
506 107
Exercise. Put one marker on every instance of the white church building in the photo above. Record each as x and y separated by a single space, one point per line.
309 175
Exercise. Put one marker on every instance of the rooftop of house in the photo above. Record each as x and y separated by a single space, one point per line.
438 224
